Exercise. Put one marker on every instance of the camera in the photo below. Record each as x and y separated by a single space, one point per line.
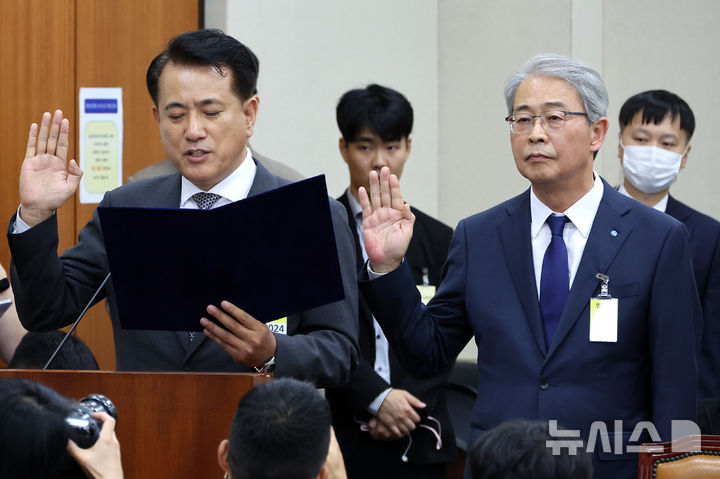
84 428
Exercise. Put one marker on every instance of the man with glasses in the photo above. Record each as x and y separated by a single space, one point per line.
581 301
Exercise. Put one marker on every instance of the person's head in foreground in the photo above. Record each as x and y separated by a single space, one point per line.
281 430
520 450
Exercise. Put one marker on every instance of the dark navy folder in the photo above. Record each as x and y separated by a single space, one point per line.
272 254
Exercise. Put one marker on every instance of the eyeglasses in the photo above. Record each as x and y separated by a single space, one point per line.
550 120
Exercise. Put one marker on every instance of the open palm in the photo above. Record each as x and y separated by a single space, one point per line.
387 221
47 180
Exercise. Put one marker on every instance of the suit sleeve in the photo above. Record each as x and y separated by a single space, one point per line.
324 348
51 291
428 338
710 355
675 323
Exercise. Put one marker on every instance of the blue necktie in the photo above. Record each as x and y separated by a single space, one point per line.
555 279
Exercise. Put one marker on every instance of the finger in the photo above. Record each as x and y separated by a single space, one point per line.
374 190
396 193
62 140
74 175
220 335
231 323
54 132
410 421
414 401
364 202
240 315
226 340
32 141
385 187
108 427
43 134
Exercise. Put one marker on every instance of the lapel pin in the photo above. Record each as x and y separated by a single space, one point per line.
613 233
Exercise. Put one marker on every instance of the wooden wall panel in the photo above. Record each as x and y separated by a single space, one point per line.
51 49
37 74
116 40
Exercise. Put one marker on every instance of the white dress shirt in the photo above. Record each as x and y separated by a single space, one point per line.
581 215
660 206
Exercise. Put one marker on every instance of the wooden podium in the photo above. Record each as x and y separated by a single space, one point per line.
169 424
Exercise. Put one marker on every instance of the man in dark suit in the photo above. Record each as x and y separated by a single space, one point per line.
204 90
655 131
381 416
581 301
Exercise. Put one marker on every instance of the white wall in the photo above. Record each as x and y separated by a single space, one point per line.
635 44
312 52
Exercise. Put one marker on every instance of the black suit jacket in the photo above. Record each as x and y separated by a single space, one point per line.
428 249
705 245
50 292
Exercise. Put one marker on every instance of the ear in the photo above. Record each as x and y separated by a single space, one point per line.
598 131
683 162
222 454
408 144
343 145
250 109
621 150
156 114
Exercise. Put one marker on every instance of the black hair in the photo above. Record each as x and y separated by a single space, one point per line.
35 349
34 434
208 47
281 430
655 105
518 450
384 111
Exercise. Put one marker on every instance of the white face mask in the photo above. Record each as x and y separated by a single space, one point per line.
650 169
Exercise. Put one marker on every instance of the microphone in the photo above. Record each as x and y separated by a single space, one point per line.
70 331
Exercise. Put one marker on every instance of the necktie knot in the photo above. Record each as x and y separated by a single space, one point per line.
204 200
557 224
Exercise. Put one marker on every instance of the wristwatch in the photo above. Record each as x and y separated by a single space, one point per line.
268 367
4 284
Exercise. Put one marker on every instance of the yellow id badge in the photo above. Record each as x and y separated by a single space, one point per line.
427 291
279 326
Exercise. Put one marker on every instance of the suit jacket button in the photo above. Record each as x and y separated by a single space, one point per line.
544 384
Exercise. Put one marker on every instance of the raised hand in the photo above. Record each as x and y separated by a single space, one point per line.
47 180
247 340
387 221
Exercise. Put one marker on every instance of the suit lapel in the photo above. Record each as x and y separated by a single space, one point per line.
678 211
353 229
601 248
515 240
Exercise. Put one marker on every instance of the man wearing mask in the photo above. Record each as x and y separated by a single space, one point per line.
655 131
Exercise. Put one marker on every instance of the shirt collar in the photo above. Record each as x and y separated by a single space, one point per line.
660 206
234 187
581 213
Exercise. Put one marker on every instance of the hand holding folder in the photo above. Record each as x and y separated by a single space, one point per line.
272 255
